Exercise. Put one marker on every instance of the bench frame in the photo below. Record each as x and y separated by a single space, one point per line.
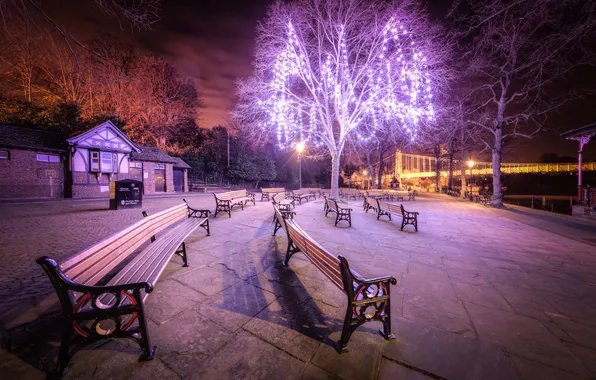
267 193
368 299
408 217
299 196
226 205
341 213
84 303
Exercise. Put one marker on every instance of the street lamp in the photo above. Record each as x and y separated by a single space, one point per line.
365 182
300 149
471 165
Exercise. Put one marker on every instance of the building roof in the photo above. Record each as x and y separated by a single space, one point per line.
12 136
180 164
153 154
105 135
587 130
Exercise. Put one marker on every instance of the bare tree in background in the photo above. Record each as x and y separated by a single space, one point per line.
516 53
327 72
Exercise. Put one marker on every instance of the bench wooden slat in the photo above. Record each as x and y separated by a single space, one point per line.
316 254
104 257
361 293
148 265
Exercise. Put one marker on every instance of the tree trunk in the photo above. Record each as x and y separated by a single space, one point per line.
335 160
462 162
497 198
380 174
438 168
451 154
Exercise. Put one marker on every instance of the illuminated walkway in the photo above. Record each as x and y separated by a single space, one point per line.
481 294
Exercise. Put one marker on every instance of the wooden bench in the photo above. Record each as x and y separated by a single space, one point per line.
282 201
484 199
313 190
369 203
341 213
395 195
301 194
225 201
266 193
368 299
348 193
102 289
385 208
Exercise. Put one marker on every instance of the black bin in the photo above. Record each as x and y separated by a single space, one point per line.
126 193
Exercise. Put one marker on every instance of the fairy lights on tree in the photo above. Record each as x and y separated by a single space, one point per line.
326 72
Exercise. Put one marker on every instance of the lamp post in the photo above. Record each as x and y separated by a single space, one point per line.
300 149
364 182
471 165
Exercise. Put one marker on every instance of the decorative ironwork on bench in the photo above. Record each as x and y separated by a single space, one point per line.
368 299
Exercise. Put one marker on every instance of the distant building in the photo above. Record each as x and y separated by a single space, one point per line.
31 163
39 164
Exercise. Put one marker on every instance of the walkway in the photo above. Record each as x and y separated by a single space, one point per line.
481 294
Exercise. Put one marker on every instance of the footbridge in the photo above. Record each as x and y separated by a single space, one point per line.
405 165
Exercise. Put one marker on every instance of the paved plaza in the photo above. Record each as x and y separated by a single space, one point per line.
481 294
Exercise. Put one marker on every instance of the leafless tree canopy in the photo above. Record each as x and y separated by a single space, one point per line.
320 69
516 55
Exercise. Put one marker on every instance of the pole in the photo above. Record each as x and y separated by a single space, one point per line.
470 182
299 171
228 148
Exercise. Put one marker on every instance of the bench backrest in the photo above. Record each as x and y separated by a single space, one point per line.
94 263
319 256
376 193
331 203
301 191
273 190
390 207
279 197
313 189
231 194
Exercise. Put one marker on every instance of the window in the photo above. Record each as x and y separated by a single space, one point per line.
93 161
103 162
160 166
4 155
48 157
135 165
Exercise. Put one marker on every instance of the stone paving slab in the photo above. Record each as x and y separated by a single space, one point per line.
481 294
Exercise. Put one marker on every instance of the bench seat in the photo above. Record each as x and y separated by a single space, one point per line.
103 288
268 192
226 201
341 213
368 299
388 209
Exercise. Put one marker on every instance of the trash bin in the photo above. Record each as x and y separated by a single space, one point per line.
126 193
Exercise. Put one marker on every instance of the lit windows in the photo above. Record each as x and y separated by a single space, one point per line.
4 155
48 157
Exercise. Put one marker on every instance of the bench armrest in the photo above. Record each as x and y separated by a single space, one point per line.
371 281
57 276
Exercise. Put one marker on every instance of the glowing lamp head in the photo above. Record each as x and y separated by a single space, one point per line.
364 172
471 163
300 147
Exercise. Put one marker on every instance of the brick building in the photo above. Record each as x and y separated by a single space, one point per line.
38 164
31 163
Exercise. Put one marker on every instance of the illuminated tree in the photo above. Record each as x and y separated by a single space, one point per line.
327 72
